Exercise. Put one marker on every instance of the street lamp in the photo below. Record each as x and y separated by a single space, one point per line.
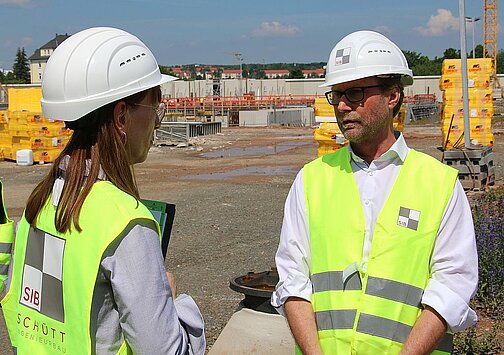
472 20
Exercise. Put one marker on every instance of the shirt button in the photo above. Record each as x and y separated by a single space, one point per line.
366 202
370 173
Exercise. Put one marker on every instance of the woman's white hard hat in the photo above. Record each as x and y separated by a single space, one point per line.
365 54
95 67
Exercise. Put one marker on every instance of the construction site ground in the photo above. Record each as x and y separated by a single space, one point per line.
229 190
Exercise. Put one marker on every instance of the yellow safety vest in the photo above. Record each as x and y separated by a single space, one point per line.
6 240
48 306
372 311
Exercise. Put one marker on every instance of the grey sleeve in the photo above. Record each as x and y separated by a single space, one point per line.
147 312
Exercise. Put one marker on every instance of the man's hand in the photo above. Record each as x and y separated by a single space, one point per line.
303 326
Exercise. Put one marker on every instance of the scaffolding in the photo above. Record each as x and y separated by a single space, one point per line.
207 108
422 107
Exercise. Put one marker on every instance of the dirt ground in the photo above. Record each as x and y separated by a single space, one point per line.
229 204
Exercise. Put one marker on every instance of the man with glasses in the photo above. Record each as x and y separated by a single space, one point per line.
377 251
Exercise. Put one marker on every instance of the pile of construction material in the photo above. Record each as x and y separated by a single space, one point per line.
481 110
23 127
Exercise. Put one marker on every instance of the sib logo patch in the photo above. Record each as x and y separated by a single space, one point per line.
408 218
42 286
342 56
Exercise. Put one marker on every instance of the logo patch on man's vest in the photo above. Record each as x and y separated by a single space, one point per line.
408 218
342 56
42 287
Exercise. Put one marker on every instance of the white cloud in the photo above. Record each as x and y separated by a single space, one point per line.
384 30
22 3
439 24
275 29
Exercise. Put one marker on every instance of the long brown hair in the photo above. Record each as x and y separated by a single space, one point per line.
94 138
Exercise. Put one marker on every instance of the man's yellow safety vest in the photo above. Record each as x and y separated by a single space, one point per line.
371 308
6 240
48 306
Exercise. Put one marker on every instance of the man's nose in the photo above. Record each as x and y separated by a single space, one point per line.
343 104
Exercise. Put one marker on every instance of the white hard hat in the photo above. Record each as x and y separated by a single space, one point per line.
364 54
95 67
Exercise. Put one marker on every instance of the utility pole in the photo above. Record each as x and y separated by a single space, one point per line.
465 90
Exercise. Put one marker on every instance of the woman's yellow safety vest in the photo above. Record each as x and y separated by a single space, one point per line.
48 306
6 240
371 309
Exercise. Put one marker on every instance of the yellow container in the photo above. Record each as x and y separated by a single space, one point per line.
55 142
399 119
475 110
453 96
48 129
329 138
25 99
6 152
323 111
5 138
20 133
455 82
480 132
46 155
21 142
474 66
326 148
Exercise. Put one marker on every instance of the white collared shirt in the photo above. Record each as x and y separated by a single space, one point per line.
454 263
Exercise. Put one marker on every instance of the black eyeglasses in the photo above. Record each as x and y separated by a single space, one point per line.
355 94
160 110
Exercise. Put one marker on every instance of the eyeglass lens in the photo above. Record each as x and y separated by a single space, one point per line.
355 94
352 94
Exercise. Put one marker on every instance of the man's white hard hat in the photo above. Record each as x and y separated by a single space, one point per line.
95 67
364 54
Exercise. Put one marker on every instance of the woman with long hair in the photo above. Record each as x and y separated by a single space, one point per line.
88 274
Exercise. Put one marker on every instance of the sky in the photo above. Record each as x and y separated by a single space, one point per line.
210 31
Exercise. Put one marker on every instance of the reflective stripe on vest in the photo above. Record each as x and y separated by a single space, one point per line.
396 331
48 306
392 290
398 267
6 240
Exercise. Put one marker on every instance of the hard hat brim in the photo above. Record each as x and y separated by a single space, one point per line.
81 107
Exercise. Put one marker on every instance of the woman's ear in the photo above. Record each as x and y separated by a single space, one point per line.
120 110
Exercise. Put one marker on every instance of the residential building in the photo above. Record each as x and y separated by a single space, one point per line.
39 59
231 74
314 73
276 73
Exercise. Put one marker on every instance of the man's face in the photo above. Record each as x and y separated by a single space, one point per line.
367 120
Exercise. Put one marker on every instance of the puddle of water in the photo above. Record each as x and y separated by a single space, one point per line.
251 151
248 171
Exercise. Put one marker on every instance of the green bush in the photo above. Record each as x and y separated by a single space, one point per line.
488 215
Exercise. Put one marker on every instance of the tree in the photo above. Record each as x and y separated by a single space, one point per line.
296 73
500 62
166 70
451 53
21 69
421 64
478 50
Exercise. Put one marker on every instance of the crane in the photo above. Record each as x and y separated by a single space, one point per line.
490 28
